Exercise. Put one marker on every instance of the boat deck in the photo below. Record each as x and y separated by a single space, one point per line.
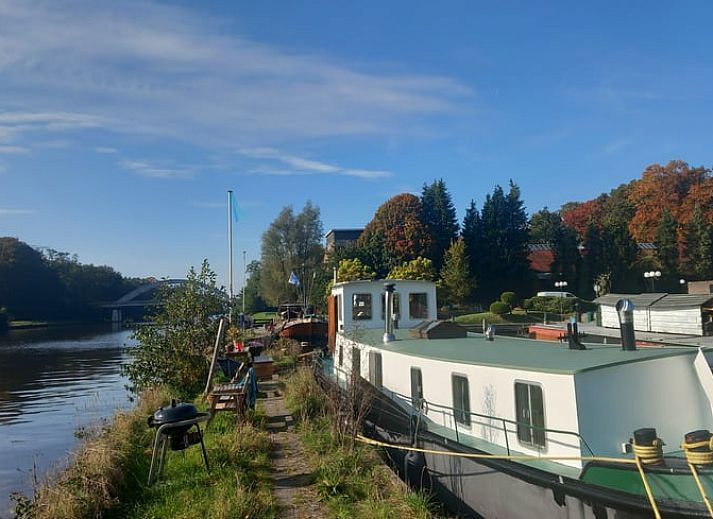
514 352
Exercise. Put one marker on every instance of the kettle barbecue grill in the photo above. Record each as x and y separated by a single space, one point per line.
174 423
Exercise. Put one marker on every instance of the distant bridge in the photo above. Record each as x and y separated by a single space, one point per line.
134 298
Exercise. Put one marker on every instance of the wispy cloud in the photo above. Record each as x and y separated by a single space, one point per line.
12 150
169 72
12 212
297 165
147 169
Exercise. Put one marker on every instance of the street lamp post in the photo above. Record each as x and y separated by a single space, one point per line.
597 288
561 285
653 275
684 288
245 269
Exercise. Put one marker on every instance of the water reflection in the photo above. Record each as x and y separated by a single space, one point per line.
53 382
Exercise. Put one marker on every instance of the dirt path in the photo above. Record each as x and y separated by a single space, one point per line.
293 479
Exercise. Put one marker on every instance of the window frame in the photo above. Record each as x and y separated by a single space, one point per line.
397 305
465 411
411 315
531 443
368 297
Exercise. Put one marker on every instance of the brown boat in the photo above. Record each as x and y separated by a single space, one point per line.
301 327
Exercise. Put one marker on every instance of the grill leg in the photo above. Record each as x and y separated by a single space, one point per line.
153 455
205 454
163 456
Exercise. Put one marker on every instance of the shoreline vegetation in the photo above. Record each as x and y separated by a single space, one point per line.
107 474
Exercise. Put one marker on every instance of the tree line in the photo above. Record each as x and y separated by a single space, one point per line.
662 221
606 241
48 284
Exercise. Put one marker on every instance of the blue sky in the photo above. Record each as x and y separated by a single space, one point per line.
123 124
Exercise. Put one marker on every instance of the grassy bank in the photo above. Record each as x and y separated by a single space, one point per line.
352 482
108 476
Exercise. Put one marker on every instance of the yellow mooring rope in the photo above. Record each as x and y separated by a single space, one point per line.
700 458
522 457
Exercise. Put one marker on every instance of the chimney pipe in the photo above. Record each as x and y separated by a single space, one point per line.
388 313
573 337
625 310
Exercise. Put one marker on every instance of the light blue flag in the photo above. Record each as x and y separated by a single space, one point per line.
235 209
294 280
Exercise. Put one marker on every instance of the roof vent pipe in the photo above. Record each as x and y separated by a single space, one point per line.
389 313
573 337
625 310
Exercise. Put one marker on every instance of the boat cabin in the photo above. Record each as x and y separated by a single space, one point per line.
519 395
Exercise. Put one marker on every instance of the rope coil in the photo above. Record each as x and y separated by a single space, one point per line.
702 457
649 454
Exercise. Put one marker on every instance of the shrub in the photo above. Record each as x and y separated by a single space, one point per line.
499 308
551 304
510 298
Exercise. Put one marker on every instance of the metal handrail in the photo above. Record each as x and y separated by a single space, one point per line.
504 421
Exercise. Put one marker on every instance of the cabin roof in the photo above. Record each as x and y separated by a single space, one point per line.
516 353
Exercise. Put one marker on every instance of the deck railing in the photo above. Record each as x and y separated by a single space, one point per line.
426 407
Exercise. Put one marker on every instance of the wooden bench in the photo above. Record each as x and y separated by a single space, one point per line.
231 396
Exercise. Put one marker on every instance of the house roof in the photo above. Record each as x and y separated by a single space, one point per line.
658 301
516 353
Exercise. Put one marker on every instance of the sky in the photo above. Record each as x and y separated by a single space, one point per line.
123 124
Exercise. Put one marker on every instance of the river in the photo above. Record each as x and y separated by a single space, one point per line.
53 383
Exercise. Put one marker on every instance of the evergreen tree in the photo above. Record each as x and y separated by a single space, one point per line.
592 260
620 253
698 245
505 238
472 233
666 241
439 215
455 274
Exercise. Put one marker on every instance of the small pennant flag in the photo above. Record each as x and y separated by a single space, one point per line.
294 280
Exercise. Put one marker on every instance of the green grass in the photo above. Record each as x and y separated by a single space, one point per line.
238 484
352 483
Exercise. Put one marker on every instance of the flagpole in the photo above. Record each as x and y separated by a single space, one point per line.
230 256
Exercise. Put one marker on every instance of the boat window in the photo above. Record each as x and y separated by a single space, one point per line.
339 308
530 414
416 387
418 305
375 373
361 307
461 399
383 306
356 362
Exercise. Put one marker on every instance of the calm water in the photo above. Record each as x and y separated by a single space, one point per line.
53 382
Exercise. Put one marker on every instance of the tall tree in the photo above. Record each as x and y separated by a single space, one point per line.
419 268
253 299
666 241
544 224
593 264
455 274
505 238
439 215
292 243
472 233
698 246
396 234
